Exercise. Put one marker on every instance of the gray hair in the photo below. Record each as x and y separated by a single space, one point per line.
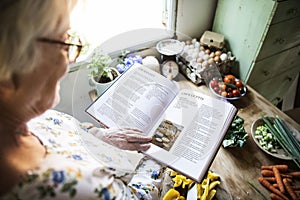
21 23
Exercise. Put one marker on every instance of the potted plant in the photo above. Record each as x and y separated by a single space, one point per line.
102 71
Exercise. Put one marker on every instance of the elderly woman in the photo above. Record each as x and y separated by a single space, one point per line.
40 152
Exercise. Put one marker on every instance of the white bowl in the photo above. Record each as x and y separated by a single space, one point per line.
170 47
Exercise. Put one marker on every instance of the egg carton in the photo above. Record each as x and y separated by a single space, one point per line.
200 63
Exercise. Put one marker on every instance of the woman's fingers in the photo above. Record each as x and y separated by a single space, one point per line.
124 138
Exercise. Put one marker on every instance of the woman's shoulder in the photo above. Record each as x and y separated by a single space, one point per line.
54 118
61 177
68 170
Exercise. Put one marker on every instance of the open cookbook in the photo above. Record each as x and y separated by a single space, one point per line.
187 127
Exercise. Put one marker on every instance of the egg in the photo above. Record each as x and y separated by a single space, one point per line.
207 51
218 53
210 61
188 58
200 60
205 57
204 64
217 59
212 54
188 42
194 55
201 54
223 56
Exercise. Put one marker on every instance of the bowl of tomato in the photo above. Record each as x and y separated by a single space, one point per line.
228 87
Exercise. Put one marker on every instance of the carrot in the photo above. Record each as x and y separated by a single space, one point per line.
295 187
275 197
269 173
278 179
270 179
267 185
281 168
288 179
295 175
266 172
289 189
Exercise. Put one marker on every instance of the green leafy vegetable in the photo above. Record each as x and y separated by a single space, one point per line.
236 135
266 139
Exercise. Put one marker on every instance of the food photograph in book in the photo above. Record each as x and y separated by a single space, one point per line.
166 134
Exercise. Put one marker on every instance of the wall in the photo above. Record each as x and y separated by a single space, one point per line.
195 16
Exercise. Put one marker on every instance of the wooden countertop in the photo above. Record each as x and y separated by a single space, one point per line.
237 166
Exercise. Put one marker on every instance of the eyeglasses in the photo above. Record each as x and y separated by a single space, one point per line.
73 43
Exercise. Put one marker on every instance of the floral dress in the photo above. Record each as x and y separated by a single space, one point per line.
72 171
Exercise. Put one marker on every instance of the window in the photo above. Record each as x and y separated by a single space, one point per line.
100 20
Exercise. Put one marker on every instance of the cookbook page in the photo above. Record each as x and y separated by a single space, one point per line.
190 133
137 99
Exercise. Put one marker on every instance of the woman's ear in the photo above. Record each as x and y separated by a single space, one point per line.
7 87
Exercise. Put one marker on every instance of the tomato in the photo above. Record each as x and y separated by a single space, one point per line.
214 83
236 93
228 89
222 86
229 79
226 80
224 94
216 89
239 84
229 95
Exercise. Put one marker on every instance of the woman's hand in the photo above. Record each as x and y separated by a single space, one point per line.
123 138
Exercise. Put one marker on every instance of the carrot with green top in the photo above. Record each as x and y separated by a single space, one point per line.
278 179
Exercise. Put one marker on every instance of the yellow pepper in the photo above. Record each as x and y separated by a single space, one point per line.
205 187
205 190
173 173
211 194
213 184
212 176
199 191
181 180
173 194
178 180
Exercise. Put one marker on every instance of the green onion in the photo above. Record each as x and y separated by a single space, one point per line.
285 137
289 135
257 190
